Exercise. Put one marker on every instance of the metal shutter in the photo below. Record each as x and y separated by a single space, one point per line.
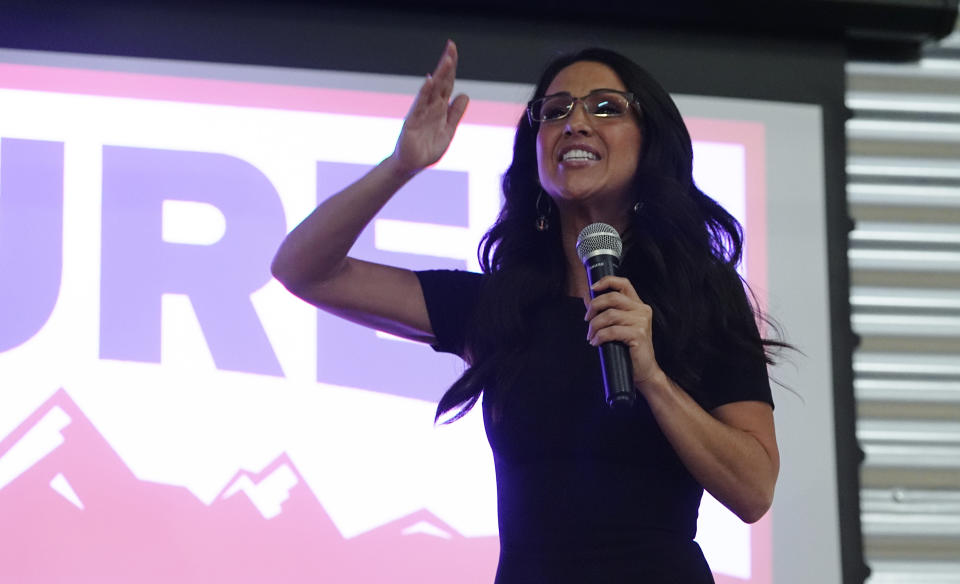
903 189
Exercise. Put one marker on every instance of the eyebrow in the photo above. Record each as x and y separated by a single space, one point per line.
592 91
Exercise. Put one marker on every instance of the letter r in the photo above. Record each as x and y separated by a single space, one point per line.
138 267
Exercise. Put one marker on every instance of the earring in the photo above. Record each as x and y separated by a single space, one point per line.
637 207
542 224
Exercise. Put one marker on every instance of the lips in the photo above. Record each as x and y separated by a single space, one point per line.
578 153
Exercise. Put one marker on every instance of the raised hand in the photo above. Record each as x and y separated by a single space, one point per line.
432 119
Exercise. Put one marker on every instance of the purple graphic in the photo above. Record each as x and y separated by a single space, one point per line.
31 236
348 354
138 266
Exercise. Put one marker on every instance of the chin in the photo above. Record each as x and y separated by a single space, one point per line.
580 196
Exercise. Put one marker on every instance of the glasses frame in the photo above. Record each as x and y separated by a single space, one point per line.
631 101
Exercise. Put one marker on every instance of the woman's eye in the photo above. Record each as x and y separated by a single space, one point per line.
608 108
553 110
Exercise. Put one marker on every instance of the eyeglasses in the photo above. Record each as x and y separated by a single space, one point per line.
600 103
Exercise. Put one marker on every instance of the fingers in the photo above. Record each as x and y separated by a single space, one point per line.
446 71
423 96
432 120
620 315
617 311
456 111
449 52
616 283
625 334
623 325
438 86
618 301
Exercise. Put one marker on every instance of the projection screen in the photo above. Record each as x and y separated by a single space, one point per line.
169 412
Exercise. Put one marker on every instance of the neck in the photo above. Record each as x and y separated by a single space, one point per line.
572 222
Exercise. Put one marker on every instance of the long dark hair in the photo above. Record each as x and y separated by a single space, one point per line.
681 241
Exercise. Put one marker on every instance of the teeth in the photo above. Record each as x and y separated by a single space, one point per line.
578 154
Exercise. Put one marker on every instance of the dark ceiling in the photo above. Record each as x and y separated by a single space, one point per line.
871 29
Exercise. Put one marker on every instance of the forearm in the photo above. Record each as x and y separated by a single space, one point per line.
315 252
316 248
737 466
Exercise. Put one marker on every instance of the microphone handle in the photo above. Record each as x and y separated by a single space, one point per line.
614 355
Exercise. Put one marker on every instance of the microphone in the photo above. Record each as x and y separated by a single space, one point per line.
599 248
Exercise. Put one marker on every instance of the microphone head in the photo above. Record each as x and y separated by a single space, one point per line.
598 239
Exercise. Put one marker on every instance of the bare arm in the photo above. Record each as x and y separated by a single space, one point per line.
312 261
731 450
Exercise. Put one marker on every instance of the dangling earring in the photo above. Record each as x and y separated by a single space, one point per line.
637 207
542 224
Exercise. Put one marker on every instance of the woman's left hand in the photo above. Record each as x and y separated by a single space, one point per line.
620 315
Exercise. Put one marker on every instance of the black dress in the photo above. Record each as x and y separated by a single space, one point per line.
583 494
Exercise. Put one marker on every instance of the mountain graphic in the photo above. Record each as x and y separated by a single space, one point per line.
71 511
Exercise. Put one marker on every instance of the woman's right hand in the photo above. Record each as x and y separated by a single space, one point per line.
432 119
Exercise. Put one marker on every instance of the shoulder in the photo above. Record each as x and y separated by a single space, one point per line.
450 280
736 361
451 298
457 289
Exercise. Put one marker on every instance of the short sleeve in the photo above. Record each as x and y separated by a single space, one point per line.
735 372
451 297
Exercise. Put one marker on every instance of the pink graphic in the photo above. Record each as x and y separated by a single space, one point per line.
81 516
238 93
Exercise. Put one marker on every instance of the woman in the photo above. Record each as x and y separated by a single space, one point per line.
584 495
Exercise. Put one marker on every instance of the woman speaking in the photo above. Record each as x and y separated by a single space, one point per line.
586 492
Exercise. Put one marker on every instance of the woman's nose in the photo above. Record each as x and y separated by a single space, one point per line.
578 120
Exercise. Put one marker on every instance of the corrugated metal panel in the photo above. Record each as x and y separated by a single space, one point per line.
904 194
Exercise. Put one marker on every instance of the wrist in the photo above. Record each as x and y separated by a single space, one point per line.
397 169
656 380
